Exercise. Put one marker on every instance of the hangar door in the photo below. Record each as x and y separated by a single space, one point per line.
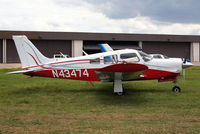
92 46
47 47
171 49
1 51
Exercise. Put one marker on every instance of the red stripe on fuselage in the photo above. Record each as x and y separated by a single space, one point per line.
56 63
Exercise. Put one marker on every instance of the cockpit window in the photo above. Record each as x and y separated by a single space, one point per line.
130 56
145 56
166 57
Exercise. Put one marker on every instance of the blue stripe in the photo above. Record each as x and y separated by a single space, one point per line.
102 48
107 58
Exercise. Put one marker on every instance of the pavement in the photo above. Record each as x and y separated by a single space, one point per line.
196 63
11 65
18 65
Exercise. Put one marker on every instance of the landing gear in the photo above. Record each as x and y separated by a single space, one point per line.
119 93
176 88
118 89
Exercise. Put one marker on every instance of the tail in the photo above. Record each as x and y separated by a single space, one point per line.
105 47
29 55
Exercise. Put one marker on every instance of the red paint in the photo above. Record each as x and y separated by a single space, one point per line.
34 59
48 73
124 67
157 74
54 63
92 83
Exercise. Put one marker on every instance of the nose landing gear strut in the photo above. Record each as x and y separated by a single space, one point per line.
176 88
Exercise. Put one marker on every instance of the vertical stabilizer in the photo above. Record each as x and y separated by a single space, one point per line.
105 47
29 55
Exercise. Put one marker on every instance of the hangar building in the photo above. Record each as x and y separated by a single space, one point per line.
72 43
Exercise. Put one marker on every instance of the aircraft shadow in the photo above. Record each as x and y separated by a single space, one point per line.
103 94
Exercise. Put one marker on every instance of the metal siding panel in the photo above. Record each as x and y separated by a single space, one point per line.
11 52
199 51
1 51
50 47
171 49
100 36
46 47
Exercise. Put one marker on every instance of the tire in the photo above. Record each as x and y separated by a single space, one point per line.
119 93
176 89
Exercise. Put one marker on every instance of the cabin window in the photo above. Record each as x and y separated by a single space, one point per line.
111 59
157 57
145 56
95 61
130 56
166 57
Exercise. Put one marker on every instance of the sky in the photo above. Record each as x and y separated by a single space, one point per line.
109 16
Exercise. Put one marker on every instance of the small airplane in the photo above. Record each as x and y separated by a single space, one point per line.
109 66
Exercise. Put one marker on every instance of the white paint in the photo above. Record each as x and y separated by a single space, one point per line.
194 51
140 44
77 46
118 83
70 73
55 73
4 51
29 55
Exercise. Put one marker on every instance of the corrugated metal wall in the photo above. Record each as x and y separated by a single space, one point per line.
171 49
92 46
46 47
1 51
51 47
11 52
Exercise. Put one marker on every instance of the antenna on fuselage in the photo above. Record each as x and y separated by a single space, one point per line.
84 52
63 55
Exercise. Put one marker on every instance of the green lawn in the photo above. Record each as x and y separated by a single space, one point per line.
45 105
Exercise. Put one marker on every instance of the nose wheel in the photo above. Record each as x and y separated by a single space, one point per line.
176 89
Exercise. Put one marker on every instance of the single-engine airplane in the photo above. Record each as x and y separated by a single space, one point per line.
111 66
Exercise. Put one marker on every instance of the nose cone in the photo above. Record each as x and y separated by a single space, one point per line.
187 64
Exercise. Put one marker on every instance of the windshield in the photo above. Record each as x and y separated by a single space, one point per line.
166 57
145 56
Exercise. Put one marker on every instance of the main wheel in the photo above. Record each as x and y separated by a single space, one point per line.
119 93
176 89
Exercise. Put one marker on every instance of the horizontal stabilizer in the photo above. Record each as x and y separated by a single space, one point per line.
21 72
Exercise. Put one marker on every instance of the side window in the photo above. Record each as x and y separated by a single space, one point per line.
157 57
111 59
130 56
95 61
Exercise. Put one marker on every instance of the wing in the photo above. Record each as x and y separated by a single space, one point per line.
130 71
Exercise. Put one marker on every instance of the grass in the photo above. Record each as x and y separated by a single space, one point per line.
45 105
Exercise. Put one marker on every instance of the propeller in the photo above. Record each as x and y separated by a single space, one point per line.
186 64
